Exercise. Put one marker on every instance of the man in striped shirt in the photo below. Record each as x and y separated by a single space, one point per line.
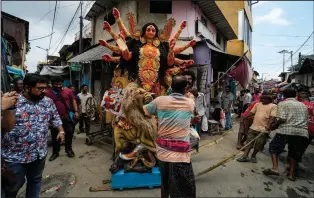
174 113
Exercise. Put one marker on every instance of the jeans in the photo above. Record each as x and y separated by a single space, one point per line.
33 173
228 120
84 120
68 127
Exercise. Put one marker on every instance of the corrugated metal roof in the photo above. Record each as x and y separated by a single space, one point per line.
92 54
212 11
100 7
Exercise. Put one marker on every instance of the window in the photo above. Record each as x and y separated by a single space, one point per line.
247 34
204 20
161 7
110 19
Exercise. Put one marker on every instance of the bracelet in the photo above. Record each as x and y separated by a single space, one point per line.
62 132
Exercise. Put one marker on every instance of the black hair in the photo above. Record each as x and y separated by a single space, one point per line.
134 46
32 79
303 89
289 93
17 79
190 73
56 79
69 86
228 87
145 27
179 84
83 85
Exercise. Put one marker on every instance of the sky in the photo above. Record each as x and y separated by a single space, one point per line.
40 25
273 23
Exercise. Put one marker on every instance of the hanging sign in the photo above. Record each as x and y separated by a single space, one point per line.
76 67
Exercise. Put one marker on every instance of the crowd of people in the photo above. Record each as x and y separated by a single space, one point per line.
291 120
28 113
35 107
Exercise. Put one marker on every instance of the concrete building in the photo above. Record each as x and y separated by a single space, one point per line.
211 23
15 32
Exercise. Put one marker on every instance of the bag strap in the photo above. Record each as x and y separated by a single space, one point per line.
61 99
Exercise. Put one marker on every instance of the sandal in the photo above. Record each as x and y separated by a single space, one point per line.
243 159
270 172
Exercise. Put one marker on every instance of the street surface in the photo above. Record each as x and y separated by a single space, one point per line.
234 179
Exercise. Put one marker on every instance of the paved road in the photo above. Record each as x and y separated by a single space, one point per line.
91 164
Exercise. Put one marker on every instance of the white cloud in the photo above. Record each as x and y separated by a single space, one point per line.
275 16
36 55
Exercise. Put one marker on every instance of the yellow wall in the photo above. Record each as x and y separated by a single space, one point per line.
235 47
230 10
248 54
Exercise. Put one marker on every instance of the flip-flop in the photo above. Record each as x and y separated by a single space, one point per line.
241 159
270 172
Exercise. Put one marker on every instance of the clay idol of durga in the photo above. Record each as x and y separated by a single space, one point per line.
147 58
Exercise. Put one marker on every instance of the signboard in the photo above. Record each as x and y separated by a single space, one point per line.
76 67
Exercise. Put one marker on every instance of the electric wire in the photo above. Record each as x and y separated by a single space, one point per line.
49 13
64 35
53 23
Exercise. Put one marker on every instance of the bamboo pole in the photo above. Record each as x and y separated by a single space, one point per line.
227 159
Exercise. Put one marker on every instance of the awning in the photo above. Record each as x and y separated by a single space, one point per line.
212 47
54 70
95 53
15 71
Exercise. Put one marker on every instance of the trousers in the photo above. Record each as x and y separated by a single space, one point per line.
33 173
68 127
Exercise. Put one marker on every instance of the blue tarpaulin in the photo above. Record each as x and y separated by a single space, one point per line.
15 71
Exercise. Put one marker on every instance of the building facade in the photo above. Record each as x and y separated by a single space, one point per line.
15 32
211 23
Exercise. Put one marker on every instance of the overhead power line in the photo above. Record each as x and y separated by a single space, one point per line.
53 23
49 13
298 48
63 37
279 45
283 35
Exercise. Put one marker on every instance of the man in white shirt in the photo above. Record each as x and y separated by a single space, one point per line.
84 119
247 99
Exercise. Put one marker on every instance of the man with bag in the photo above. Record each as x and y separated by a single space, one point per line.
62 97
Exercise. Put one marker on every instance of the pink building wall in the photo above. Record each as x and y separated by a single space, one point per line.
185 10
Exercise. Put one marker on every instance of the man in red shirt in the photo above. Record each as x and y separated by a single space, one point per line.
62 97
303 96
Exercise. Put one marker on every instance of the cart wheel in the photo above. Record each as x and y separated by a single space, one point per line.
88 141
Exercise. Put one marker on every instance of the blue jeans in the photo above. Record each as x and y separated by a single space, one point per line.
33 173
228 120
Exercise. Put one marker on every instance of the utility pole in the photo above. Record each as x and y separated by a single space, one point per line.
81 38
283 61
81 30
291 61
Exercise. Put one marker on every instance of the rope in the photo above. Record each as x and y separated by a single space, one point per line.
226 159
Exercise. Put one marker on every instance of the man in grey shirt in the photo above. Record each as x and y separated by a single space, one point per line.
227 101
